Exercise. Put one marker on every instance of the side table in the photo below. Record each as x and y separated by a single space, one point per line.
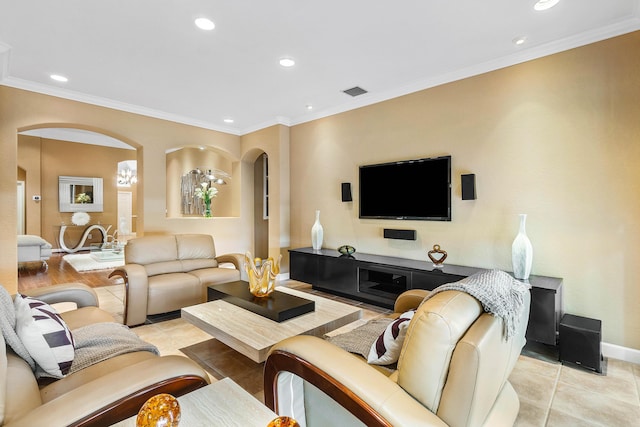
223 403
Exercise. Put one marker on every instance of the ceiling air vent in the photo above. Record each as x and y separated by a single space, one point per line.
355 91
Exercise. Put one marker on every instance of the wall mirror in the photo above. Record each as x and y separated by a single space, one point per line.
80 194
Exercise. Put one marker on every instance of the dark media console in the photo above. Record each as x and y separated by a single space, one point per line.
379 280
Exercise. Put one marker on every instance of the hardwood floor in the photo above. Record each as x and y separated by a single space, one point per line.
33 275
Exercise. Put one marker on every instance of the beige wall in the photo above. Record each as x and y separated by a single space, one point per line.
557 138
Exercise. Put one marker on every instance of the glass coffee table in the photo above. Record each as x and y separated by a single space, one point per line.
105 254
253 335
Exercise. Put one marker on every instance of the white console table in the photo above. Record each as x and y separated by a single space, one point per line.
85 236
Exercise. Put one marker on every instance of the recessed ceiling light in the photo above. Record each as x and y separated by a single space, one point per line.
205 24
287 62
228 120
545 4
309 107
519 40
59 78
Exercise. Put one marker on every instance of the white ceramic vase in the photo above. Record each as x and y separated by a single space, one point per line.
317 233
522 252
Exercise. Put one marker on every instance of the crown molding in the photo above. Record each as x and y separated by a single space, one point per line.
110 103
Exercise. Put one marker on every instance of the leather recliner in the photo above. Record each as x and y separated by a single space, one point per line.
453 371
166 273
101 394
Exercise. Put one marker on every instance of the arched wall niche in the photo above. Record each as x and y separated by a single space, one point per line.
180 161
43 166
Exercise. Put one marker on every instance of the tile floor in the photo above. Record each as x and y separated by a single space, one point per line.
550 394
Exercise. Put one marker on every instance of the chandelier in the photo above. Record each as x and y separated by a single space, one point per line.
126 177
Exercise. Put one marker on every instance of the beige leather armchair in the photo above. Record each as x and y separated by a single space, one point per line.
99 395
452 371
165 273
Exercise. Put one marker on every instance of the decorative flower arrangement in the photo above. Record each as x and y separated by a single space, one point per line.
80 218
83 198
206 194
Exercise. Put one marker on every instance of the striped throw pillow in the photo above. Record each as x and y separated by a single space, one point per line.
386 349
45 336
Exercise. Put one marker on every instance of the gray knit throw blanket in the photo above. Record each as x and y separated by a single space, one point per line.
500 295
101 341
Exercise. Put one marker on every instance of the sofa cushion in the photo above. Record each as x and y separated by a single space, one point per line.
150 249
169 292
85 316
386 349
209 276
195 246
21 393
45 335
164 267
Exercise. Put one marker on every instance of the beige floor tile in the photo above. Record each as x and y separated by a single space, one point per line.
561 419
532 387
618 384
594 407
531 415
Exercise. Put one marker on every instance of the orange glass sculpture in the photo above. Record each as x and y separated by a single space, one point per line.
262 274
161 410
283 422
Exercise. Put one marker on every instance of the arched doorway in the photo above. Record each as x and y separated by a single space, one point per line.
48 151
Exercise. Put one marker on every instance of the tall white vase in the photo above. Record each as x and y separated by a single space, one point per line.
522 252
317 233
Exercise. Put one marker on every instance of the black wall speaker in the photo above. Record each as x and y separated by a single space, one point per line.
346 192
580 341
468 186
390 233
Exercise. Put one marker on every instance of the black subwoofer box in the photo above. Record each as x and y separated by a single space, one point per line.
580 341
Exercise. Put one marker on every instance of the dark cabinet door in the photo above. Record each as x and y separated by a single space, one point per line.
430 280
542 317
337 274
303 267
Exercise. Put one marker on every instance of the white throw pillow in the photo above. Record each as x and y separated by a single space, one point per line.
45 336
386 349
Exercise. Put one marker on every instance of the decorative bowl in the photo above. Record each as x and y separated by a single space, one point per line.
346 250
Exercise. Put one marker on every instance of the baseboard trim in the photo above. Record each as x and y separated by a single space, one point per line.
621 353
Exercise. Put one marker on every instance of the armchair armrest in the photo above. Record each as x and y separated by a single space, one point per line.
119 394
236 259
79 293
409 300
136 285
369 395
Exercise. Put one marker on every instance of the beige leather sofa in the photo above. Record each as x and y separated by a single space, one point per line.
103 393
166 273
452 371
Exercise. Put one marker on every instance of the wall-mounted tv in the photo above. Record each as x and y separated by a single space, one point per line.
411 189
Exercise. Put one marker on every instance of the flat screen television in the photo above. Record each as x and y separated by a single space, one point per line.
411 189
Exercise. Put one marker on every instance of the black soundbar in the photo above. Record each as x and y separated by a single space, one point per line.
390 233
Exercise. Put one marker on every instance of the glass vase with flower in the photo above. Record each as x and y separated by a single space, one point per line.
206 193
